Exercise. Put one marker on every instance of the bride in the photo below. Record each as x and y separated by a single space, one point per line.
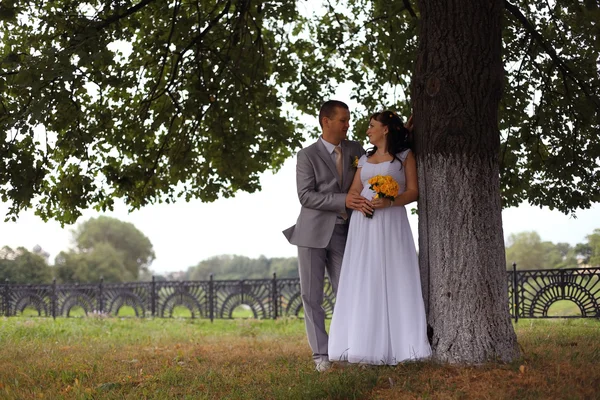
379 316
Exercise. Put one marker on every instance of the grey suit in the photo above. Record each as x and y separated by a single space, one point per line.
320 232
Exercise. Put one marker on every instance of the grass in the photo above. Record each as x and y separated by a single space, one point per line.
564 308
131 358
242 311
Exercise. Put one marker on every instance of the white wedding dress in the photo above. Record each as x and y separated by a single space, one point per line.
379 316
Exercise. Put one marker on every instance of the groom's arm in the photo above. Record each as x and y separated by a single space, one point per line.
306 183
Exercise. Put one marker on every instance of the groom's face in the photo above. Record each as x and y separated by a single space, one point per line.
339 124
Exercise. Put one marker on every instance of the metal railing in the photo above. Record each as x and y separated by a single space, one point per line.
530 295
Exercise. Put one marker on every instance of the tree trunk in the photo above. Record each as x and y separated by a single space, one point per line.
456 94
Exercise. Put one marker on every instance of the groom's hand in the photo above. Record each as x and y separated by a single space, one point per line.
354 201
358 203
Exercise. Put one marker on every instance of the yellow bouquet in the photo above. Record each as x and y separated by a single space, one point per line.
385 187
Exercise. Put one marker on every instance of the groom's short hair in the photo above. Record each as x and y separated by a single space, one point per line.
328 109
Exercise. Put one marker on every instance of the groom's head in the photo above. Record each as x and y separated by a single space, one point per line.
334 119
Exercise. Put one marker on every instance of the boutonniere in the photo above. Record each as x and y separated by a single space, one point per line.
355 162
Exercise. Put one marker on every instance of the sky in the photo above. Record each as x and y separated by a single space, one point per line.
184 234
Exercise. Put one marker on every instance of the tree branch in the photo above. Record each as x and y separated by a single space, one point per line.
181 54
116 17
211 24
8 73
152 95
562 66
410 9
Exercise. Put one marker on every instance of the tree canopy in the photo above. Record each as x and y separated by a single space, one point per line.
141 100
152 101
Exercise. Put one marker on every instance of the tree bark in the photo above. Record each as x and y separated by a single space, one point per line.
456 93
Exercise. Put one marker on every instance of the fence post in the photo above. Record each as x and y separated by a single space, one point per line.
53 299
515 293
5 298
242 290
101 295
210 298
274 299
562 283
153 296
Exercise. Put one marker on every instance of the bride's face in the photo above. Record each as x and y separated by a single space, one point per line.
376 133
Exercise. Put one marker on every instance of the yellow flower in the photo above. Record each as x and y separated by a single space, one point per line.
355 162
385 187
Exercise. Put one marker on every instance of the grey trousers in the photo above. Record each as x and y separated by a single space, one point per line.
312 265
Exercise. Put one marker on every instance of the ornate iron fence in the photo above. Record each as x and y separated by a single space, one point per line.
530 295
537 290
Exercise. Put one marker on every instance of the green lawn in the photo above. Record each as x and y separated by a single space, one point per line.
564 308
128 311
134 358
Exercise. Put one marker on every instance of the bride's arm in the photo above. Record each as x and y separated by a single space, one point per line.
412 185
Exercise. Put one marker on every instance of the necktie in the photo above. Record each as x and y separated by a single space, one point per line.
338 166
338 160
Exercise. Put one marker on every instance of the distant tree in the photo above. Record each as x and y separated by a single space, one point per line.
202 270
105 247
134 248
594 248
565 249
551 255
525 249
23 266
568 255
103 261
584 251
529 252
241 267
285 267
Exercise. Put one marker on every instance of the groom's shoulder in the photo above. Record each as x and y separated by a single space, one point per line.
310 148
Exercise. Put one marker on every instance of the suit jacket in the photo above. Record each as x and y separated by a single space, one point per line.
322 192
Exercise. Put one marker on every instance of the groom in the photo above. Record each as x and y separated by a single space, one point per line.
324 173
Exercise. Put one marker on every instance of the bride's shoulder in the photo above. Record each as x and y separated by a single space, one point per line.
403 154
362 160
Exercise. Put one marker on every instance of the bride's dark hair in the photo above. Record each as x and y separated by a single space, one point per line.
398 137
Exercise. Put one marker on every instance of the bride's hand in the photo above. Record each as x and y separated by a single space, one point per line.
366 207
409 124
381 203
